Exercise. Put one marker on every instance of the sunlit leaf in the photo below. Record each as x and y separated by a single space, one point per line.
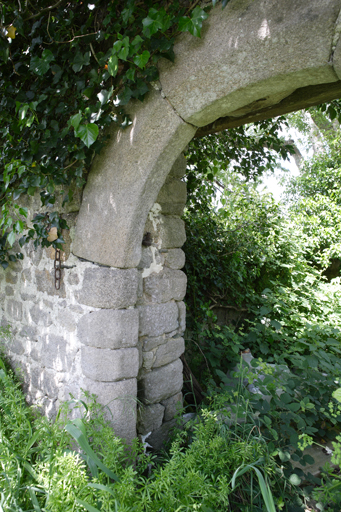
142 59
88 133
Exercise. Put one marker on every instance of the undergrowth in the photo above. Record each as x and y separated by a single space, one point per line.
216 463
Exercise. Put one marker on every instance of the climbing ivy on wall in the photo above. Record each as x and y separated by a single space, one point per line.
67 70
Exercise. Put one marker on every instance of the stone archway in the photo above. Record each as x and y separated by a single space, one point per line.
255 60
115 326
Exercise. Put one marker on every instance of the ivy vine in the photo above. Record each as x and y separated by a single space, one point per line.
66 72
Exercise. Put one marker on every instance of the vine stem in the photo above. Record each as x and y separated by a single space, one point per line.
46 9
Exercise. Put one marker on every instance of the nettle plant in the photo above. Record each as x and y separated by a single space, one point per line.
66 72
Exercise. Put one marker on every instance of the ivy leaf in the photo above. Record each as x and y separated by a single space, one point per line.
11 238
113 65
41 66
156 20
141 89
193 25
125 96
130 74
81 60
105 95
31 191
142 59
123 54
88 133
23 211
75 120
137 43
4 51
117 46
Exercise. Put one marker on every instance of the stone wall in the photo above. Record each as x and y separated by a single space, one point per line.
162 312
113 332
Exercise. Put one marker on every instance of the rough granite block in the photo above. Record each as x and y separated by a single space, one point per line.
107 365
109 288
109 328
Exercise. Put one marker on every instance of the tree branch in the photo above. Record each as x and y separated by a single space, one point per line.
217 305
46 9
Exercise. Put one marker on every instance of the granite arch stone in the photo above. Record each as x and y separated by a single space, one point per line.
252 56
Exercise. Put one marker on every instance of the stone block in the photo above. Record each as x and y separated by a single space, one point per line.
172 232
17 265
175 258
26 275
150 418
175 209
166 232
66 319
109 288
228 68
14 310
28 331
151 343
148 360
16 347
34 253
35 354
109 328
76 309
169 352
49 383
119 404
46 283
55 353
179 167
107 365
161 383
172 197
73 279
151 259
41 316
182 316
173 406
9 291
28 297
166 285
158 319
11 278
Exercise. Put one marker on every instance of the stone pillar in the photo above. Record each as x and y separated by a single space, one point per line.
162 310
109 337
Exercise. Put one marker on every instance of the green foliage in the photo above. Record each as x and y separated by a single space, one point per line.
328 495
209 467
247 151
66 72
314 201
263 264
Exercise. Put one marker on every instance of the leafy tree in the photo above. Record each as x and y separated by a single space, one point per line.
314 199
264 263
